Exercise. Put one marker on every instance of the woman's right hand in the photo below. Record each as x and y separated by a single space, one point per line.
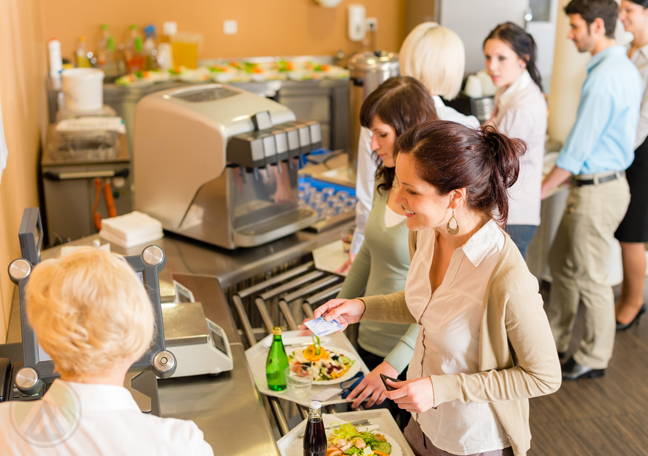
345 311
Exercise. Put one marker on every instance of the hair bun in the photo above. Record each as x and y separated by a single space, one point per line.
505 154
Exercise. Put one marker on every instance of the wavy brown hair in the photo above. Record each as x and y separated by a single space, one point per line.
401 103
451 156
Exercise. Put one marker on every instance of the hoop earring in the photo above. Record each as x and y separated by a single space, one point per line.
453 231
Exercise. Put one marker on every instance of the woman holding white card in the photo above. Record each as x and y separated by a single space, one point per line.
382 263
484 345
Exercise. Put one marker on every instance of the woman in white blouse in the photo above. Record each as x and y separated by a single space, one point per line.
484 345
435 56
520 112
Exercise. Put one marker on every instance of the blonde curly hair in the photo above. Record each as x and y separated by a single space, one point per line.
89 310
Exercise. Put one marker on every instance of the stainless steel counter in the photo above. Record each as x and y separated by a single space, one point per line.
186 256
227 408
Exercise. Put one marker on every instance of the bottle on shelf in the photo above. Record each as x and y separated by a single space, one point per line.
106 54
133 51
82 60
165 51
315 435
277 362
55 60
150 48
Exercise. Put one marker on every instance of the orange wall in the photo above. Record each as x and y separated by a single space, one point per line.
22 76
265 27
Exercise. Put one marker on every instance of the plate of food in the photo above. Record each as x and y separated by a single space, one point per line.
349 440
329 364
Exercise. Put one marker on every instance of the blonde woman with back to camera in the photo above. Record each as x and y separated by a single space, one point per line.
484 346
435 56
92 315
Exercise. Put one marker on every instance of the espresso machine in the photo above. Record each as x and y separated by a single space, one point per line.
219 164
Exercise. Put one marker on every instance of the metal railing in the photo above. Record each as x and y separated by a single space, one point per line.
290 295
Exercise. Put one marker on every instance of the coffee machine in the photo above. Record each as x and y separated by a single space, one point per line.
219 164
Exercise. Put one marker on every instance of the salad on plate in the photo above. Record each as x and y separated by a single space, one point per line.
348 440
326 365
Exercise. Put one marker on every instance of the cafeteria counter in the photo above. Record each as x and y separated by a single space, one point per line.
227 408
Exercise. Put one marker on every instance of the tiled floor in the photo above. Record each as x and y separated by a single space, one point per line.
604 416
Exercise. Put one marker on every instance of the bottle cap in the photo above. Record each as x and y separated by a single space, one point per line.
133 27
150 30
276 331
104 26
315 405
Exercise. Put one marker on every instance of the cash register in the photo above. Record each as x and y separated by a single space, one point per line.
26 370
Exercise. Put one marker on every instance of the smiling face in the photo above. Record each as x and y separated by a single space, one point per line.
504 66
633 17
423 205
382 141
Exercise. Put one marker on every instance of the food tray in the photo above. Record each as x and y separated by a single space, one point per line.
291 445
256 357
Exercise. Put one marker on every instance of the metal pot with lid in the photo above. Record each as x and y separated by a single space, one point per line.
367 71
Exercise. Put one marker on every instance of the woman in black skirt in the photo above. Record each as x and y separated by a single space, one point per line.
633 231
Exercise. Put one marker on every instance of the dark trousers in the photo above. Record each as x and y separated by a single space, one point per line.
522 235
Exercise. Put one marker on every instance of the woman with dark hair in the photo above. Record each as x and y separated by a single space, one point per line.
485 346
632 233
520 112
435 56
382 262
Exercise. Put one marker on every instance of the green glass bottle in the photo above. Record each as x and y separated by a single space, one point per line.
277 362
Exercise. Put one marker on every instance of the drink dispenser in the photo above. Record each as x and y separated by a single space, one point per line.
367 71
219 164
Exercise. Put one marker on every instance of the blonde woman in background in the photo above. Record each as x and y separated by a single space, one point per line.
435 56
92 315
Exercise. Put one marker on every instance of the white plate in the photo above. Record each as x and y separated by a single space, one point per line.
355 367
396 450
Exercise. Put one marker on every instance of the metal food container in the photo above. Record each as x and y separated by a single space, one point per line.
367 71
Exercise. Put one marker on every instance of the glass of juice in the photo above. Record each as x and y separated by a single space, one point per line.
185 47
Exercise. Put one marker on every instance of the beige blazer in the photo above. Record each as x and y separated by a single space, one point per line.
517 353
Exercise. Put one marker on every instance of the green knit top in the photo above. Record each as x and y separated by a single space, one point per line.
381 268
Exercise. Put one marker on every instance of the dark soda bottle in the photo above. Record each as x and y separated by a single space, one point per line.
315 436
277 362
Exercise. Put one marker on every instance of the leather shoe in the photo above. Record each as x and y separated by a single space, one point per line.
571 370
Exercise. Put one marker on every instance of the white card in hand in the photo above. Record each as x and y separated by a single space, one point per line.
322 327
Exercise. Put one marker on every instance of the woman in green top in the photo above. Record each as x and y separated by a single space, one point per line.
383 260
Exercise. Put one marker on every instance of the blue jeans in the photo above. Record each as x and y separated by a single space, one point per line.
522 236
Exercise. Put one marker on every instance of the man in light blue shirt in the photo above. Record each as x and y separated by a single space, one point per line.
598 149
